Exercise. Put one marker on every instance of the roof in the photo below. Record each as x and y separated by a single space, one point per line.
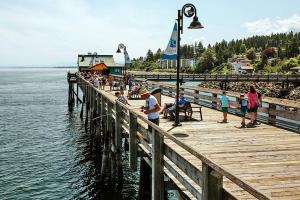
246 68
89 60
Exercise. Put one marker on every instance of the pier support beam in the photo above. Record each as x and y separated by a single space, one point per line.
212 183
118 126
157 166
132 142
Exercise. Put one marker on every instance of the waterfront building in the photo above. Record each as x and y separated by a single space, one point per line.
85 61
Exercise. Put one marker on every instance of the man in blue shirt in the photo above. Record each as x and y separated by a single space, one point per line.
181 104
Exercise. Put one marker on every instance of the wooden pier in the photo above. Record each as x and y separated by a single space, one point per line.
205 159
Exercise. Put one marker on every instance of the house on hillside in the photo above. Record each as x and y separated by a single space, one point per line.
85 61
237 62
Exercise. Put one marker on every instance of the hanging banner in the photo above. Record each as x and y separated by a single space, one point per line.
127 59
171 50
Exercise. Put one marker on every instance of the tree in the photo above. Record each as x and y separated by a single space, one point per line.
243 48
158 54
251 54
269 52
149 56
207 61
199 49
292 48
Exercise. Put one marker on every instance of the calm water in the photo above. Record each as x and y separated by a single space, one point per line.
44 150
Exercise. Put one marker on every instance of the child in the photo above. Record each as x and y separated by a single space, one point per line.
225 106
121 98
243 106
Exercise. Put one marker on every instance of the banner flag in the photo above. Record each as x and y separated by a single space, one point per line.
127 59
171 50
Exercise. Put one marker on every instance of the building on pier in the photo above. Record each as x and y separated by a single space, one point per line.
85 61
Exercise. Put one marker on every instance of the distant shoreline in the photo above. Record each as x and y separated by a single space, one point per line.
38 67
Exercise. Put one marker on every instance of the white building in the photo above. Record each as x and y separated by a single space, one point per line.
167 63
85 61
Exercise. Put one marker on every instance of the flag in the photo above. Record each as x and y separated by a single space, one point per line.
171 50
127 59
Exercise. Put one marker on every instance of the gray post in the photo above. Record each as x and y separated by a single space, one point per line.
118 126
212 183
132 142
157 166
272 117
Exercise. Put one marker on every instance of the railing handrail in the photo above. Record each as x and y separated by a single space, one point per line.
241 183
226 77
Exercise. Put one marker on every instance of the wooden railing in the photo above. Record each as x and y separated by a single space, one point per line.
277 112
209 177
221 77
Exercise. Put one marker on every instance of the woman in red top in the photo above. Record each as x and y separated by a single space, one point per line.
254 101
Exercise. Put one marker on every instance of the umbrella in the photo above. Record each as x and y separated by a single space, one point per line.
98 67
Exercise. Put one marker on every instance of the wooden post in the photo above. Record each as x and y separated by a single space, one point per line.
77 97
214 102
157 166
272 117
196 99
212 183
118 126
145 181
132 142
109 117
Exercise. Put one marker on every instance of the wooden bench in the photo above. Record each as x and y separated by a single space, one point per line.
189 109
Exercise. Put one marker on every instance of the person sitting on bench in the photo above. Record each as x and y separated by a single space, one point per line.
181 104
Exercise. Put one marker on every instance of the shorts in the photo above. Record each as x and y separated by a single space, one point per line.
254 109
243 114
224 109
243 111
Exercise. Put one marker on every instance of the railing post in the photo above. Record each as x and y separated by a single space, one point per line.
272 117
196 99
214 102
118 125
132 142
109 117
212 183
157 166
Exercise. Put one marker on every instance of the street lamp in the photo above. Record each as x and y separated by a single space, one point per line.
188 10
127 60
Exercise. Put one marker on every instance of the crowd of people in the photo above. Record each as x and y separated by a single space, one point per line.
101 80
249 102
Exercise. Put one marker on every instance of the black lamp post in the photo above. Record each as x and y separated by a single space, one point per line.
188 10
120 47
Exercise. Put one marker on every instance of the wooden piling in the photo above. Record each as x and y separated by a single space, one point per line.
118 126
212 184
157 166
132 142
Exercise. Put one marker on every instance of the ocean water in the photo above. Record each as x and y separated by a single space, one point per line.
44 149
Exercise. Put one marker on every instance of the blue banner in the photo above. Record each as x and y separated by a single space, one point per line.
171 50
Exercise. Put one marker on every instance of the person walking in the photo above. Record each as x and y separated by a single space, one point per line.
243 103
152 107
253 104
224 106
110 81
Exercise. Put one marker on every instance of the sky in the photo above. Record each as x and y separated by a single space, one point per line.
54 32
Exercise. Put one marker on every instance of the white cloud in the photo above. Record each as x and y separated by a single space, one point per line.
278 25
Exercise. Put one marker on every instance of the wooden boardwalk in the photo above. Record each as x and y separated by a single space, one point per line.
266 157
